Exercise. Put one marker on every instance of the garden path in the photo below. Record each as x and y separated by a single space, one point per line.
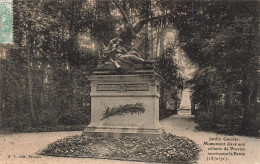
183 125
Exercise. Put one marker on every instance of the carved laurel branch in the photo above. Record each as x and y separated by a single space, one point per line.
122 110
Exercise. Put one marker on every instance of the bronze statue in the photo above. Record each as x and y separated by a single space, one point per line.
120 49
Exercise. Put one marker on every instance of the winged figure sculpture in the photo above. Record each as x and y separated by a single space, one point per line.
120 49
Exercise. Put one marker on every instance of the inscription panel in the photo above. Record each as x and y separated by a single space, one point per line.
123 87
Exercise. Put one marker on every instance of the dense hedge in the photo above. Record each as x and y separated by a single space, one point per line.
166 113
64 122
228 123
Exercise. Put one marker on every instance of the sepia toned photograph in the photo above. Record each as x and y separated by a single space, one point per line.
129 82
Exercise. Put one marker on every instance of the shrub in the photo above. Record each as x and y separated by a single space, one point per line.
54 128
48 117
73 119
205 122
17 123
166 113
227 123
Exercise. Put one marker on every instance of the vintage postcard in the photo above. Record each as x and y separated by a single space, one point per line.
129 81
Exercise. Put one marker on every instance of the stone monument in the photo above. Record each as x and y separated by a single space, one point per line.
124 89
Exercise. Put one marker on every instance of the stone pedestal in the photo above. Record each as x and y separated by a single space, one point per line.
112 90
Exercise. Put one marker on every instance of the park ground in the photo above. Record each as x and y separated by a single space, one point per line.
22 148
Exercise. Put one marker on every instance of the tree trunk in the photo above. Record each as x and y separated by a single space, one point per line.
163 33
162 36
1 84
157 43
162 98
30 86
227 98
152 39
176 106
146 40
245 95
192 107
74 89
163 94
146 43
208 106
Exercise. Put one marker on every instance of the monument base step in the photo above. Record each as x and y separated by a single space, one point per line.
122 131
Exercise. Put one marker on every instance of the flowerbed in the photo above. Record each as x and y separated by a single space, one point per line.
169 148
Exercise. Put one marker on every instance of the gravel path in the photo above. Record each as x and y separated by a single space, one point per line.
183 125
22 148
